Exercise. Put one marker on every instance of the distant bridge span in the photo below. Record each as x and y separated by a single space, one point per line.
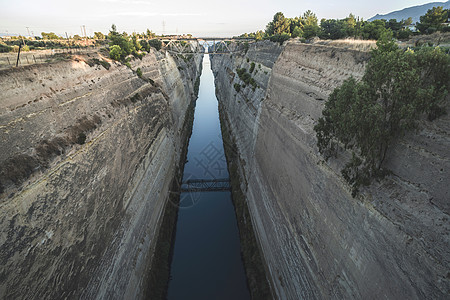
206 185
214 45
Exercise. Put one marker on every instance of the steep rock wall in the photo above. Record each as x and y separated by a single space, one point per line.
87 157
319 242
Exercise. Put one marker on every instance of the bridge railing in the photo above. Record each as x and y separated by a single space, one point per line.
206 185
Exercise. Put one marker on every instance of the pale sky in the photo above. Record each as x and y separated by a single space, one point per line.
198 17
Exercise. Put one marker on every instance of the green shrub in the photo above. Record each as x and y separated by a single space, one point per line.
96 61
155 43
145 45
366 117
105 64
404 34
122 40
246 46
237 87
139 72
5 48
136 97
252 67
115 52
246 77
81 138
280 38
138 55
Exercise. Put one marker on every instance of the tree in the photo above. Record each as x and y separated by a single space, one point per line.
121 40
115 52
135 42
155 43
310 31
373 30
99 36
408 21
259 35
310 27
145 45
350 25
77 37
332 29
395 25
279 25
366 117
150 34
404 34
49 36
432 20
309 18
297 32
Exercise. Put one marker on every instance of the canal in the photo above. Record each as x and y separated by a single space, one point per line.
206 262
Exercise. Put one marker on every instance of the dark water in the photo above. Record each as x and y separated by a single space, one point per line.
206 260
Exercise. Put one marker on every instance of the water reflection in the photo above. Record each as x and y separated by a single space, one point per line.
206 260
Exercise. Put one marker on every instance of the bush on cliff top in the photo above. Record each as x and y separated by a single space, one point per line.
366 117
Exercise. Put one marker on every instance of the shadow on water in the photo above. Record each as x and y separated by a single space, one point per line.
206 262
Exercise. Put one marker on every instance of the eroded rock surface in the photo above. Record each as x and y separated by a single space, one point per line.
90 153
318 242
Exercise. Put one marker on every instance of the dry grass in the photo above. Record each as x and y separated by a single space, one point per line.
76 132
352 44
437 39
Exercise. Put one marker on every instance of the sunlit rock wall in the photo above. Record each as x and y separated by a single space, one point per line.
87 155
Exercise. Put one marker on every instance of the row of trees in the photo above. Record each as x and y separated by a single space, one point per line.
97 36
125 44
307 26
122 44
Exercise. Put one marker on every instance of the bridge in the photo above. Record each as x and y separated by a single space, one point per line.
214 45
206 185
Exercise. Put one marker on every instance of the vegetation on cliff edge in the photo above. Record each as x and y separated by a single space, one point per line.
308 26
398 88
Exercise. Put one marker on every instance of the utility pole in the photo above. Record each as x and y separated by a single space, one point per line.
18 54
164 27
85 36
28 29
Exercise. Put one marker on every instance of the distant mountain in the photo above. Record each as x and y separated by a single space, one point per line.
414 12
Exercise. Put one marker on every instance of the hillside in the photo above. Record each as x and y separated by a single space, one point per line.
414 12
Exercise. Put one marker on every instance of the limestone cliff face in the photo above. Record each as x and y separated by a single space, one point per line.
87 155
319 242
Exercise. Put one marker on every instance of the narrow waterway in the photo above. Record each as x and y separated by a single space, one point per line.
206 261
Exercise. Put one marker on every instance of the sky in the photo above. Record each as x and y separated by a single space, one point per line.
200 18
